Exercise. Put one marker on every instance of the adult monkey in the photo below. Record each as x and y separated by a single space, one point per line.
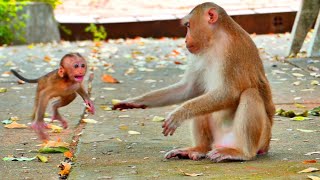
225 91
64 83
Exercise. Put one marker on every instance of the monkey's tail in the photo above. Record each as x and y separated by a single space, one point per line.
23 78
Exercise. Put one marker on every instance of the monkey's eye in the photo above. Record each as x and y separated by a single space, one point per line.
76 65
187 24
83 65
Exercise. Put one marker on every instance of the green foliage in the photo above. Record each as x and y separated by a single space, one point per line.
98 33
65 30
8 14
53 3
12 25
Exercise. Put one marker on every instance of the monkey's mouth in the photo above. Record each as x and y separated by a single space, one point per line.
79 78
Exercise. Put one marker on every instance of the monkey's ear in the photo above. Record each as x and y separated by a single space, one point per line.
61 71
213 16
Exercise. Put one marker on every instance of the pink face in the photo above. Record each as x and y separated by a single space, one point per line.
192 37
76 69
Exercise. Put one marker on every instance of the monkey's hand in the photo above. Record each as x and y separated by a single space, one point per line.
170 125
128 105
90 106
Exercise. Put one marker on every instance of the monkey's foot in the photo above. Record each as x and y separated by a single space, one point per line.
225 154
262 152
185 154
38 128
62 121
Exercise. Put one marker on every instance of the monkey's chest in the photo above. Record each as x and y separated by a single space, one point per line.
67 90
212 78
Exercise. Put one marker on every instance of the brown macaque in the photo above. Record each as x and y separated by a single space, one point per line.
64 84
225 91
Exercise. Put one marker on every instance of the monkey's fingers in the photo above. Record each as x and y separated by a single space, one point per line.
125 105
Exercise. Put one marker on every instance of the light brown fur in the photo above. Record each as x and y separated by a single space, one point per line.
64 83
225 91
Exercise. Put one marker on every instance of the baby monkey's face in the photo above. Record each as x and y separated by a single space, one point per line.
76 69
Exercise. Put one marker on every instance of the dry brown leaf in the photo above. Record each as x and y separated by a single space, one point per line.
134 132
15 125
47 58
191 174
65 168
309 161
92 121
109 79
313 177
311 153
54 144
68 154
308 170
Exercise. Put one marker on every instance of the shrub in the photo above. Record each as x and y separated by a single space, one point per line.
12 25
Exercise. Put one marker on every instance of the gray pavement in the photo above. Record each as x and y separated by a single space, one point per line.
107 151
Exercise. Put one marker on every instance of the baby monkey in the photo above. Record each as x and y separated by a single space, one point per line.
64 84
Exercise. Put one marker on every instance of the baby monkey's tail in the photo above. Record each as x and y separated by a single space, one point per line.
23 78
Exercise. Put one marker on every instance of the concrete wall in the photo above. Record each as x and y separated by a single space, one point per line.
41 25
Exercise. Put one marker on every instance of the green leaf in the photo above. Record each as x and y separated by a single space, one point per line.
43 159
53 150
7 121
18 159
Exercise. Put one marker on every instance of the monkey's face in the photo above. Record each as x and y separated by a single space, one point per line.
197 34
76 69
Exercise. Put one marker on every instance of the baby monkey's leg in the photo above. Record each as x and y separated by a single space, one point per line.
62 101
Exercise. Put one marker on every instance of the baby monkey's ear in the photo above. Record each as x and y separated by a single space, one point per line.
61 71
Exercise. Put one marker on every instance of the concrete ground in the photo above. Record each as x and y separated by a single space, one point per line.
107 151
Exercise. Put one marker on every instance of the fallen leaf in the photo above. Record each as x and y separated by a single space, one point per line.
68 154
53 150
55 128
297 83
54 144
3 90
109 79
150 81
7 121
14 118
299 105
134 132
15 125
158 119
300 118
308 170
306 130
297 74
314 82
315 111
115 101
309 161
311 153
12 158
191 174
43 159
129 71
47 58
92 121
109 89
313 177
106 108
21 82
65 169
123 127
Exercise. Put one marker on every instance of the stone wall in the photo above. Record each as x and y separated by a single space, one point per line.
41 25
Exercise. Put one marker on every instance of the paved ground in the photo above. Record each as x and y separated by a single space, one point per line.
107 151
